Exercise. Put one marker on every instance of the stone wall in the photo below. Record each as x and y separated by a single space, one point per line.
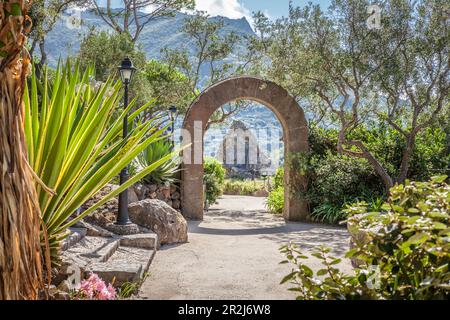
169 194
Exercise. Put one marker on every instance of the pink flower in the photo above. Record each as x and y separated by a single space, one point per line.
95 288
108 293
112 291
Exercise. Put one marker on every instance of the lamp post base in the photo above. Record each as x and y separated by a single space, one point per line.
121 223
123 229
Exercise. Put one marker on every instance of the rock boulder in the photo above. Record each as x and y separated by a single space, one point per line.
158 216
132 196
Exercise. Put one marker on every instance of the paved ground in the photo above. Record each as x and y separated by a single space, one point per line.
233 254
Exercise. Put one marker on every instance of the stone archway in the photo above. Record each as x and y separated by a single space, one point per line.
277 99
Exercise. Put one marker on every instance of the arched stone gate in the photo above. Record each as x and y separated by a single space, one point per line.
277 99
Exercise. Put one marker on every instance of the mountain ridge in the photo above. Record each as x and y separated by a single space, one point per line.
64 40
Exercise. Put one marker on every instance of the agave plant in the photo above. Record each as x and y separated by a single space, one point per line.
156 151
74 141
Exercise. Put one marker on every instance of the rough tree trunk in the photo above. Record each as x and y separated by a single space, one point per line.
20 254
406 157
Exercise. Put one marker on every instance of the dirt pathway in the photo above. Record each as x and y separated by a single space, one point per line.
235 254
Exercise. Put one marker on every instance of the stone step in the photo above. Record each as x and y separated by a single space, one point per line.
120 259
95 249
75 236
126 265
144 241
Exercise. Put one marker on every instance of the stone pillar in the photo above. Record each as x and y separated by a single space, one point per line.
192 171
192 192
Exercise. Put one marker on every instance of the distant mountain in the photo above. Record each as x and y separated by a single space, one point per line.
64 39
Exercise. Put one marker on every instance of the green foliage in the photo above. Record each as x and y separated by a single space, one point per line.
428 158
156 151
214 178
353 78
213 46
336 180
278 180
105 51
242 187
168 86
275 200
44 15
75 145
128 289
402 250
328 213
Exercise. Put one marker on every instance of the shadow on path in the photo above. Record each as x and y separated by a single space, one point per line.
273 228
234 254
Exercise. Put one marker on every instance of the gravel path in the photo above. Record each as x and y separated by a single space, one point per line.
234 254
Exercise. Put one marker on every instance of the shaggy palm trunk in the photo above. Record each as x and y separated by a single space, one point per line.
20 257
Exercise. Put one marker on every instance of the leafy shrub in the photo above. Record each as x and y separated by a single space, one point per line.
278 179
275 200
328 213
403 250
170 86
333 179
214 177
165 173
242 187
429 157
336 180
75 145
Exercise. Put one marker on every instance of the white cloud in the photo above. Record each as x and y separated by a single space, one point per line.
227 8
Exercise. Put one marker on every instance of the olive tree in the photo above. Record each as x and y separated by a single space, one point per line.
208 61
132 16
358 63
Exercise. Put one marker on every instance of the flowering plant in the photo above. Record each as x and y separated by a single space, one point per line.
95 288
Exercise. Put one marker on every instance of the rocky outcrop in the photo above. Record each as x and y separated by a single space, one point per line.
158 216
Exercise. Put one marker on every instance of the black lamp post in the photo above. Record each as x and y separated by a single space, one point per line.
127 71
173 113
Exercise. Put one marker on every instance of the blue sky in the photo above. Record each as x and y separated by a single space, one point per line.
240 8
274 8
